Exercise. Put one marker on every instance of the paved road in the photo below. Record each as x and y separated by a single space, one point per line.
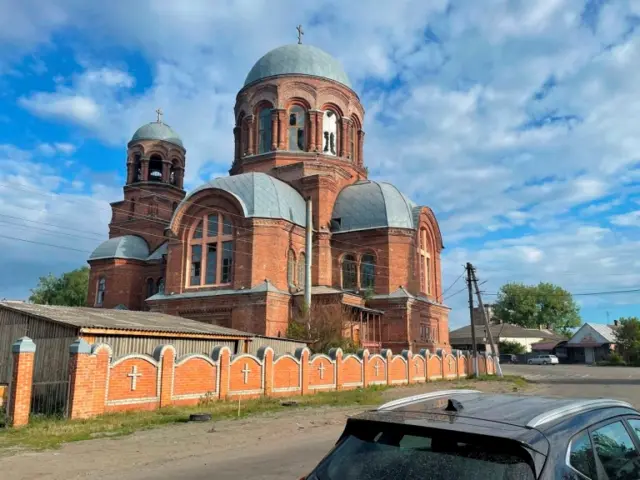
269 447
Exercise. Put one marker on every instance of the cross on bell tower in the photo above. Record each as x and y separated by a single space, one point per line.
159 113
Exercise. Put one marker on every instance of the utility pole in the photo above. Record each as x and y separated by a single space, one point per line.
494 350
307 263
474 346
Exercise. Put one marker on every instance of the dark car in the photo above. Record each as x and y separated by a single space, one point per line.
466 434
508 358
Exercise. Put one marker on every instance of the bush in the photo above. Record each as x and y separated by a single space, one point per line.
616 359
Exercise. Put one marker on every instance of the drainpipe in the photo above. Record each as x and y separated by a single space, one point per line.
308 260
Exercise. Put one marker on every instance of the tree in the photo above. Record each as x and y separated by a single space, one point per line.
532 306
511 348
628 339
324 328
70 289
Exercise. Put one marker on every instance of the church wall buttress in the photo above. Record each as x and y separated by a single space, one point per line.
313 124
282 129
274 130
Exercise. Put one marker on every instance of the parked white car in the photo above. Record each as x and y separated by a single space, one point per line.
543 360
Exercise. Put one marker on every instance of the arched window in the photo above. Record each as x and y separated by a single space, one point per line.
100 291
353 141
151 287
302 270
264 130
291 268
160 285
330 133
367 271
425 263
155 168
349 273
211 251
297 122
137 168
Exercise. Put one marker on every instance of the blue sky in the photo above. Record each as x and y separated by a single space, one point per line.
516 121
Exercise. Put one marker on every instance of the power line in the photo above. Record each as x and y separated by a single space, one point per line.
43 243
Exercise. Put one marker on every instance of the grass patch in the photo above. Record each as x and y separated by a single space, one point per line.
45 433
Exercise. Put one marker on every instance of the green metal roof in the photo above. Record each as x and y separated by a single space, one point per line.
260 195
299 60
157 131
128 247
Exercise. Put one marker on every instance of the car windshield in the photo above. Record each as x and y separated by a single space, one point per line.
392 455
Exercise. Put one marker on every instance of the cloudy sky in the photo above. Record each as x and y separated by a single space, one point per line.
518 122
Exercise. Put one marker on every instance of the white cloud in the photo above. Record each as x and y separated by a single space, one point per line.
463 121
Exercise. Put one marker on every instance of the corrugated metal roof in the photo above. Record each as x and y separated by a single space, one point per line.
260 195
85 317
605 330
502 330
127 246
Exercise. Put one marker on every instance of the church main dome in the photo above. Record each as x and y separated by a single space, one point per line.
157 131
298 59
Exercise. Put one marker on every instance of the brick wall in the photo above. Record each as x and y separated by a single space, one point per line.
100 383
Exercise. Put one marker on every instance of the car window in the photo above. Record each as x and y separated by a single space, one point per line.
616 451
391 454
581 456
635 426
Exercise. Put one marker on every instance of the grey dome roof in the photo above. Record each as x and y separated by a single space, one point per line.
260 195
129 247
367 205
300 60
157 131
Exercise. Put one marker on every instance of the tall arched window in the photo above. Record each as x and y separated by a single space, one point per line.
137 168
160 285
349 273
151 287
302 270
211 251
155 168
291 268
330 133
425 263
100 291
297 122
264 130
367 271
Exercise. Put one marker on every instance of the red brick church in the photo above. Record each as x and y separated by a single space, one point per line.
232 251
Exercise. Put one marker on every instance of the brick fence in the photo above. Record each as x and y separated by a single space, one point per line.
98 383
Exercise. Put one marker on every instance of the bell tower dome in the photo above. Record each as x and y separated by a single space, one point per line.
154 186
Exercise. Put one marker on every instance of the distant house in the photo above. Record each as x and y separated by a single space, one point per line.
503 332
592 343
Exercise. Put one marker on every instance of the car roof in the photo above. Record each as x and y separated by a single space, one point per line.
512 415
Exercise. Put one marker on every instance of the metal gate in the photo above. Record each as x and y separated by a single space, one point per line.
49 398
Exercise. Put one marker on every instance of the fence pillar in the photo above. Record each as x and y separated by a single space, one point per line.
302 354
408 356
222 357
165 355
24 351
265 354
364 356
336 355
81 380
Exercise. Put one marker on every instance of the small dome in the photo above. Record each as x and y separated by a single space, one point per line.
300 60
129 247
367 205
260 195
157 131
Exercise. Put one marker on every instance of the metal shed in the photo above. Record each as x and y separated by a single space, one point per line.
54 328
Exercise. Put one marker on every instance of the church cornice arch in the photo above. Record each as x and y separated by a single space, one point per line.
334 107
264 93
427 219
332 95
299 90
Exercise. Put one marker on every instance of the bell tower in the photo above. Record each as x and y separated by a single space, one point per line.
154 186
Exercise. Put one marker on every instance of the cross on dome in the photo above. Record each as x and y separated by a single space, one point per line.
159 113
300 33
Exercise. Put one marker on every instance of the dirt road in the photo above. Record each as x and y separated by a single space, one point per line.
277 446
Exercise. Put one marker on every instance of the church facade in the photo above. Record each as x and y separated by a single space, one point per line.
232 251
